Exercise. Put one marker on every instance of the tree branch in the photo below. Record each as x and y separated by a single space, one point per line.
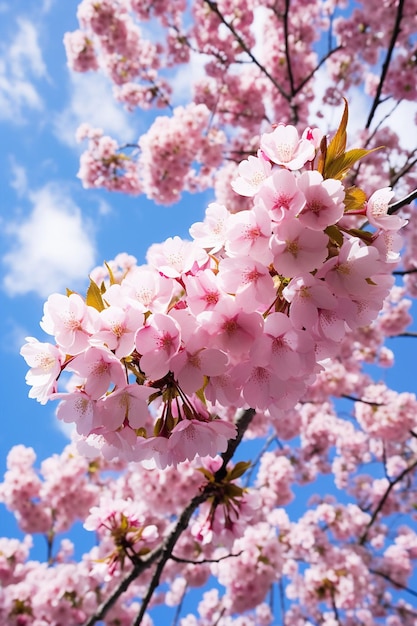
393 582
213 6
404 202
169 544
384 498
178 559
287 46
385 66
354 399
163 553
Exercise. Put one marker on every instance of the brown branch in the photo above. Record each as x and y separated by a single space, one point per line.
313 72
282 601
178 559
162 553
384 498
405 169
385 66
405 272
394 582
287 46
213 6
404 202
140 567
334 607
354 399
169 544
179 607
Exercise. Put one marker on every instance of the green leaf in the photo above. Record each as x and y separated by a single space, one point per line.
206 473
335 235
364 235
238 470
323 154
337 145
339 166
232 491
355 199
111 275
158 426
94 297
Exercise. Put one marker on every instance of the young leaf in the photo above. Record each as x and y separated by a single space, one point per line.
94 297
238 470
322 155
111 275
339 167
337 146
335 235
355 199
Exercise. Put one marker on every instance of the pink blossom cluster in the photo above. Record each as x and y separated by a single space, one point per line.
243 315
104 164
177 153
250 64
328 557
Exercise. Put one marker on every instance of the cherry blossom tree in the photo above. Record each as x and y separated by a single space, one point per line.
260 329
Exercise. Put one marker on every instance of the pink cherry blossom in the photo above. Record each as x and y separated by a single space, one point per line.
101 369
118 329
280 195
70 320
251 175
284 147
297 249
157 342
45 361
324 200
377 211
192 437
248 232
175 257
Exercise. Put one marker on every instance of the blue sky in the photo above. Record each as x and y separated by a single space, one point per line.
53 232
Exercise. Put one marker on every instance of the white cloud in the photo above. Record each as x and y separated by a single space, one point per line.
25 54
53 248
91 101
186 77
21 62
402 121
47 5
328 117
18 180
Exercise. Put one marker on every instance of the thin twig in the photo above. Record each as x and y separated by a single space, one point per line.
179 607
169 544
178 559
405 272
310 75
213 6
354 399
404 202
282 601
405 169
385 66
164 551
264 448
288 59
394 582
334 607
384 498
